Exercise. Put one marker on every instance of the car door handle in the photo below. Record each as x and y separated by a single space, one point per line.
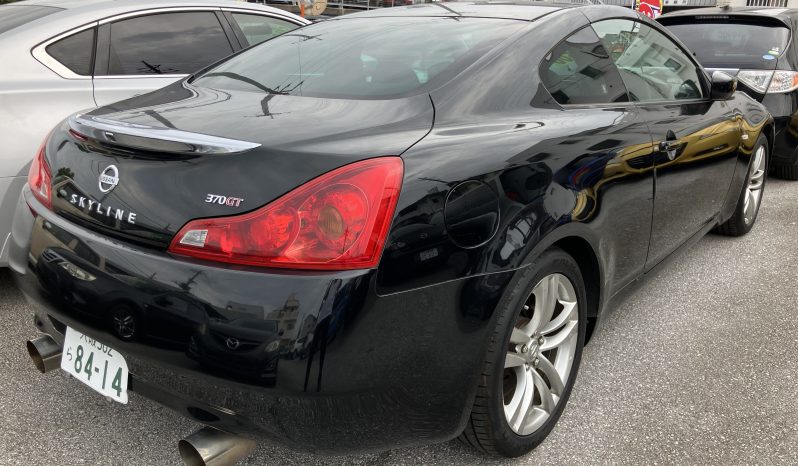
670 145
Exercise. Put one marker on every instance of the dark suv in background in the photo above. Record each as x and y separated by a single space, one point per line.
757 46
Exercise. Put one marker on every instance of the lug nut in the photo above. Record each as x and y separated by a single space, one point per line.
541 340
524 349
536 362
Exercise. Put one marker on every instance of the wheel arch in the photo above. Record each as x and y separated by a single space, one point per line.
584 255
769 130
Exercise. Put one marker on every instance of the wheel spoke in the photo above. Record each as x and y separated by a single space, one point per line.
547 402
518 408
746 203
569 308
545 302
545 366
558 338
513 360
752 203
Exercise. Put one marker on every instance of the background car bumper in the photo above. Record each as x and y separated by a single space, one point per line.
357 371
10 187
785 116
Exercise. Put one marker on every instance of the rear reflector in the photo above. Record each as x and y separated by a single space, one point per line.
338 221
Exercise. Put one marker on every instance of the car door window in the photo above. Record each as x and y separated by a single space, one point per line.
258 28
653 67
75 52
579 70
167 43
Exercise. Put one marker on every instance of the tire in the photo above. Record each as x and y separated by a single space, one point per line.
786 172
745 213
488 428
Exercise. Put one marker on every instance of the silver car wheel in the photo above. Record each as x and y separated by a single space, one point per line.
756 180
540 354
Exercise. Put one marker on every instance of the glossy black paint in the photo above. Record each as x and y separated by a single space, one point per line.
783 106
495 173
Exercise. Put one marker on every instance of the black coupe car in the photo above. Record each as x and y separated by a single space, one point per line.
429 208
758 46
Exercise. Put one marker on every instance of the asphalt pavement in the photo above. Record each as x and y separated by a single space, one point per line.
698 366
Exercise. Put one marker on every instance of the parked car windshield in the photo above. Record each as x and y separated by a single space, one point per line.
361 58
12 16
733 44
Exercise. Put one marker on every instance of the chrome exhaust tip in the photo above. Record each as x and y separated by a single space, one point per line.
45 353
212 447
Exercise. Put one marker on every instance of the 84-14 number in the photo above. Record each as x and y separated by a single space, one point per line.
86 366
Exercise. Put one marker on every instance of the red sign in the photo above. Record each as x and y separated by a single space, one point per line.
650 8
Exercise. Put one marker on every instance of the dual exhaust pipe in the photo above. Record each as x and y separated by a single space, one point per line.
212 447
206 447
45 353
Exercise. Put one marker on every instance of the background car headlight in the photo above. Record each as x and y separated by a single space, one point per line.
271 347
77 272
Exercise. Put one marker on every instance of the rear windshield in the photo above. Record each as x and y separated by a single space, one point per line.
12 16
361 58
733 44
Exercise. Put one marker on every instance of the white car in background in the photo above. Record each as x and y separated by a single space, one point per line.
58 57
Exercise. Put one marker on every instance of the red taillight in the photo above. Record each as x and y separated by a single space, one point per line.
338 221
40 178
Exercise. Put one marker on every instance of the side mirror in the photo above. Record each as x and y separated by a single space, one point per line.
723 86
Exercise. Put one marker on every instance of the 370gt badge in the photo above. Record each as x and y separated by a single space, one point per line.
224 200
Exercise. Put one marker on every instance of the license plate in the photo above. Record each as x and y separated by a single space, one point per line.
95 364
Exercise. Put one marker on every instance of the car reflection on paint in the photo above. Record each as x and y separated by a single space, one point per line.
247 348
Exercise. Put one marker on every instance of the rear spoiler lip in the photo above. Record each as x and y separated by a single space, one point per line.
695 17
154 138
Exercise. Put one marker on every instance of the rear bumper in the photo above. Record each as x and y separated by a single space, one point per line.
324 363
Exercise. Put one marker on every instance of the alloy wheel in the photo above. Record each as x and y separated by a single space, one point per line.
540 354
756 181
124 324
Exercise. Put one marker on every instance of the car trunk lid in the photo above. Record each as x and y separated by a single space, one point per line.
141 169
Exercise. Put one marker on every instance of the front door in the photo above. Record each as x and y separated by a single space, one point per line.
696 139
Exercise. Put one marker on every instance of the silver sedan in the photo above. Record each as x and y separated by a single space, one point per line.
58 57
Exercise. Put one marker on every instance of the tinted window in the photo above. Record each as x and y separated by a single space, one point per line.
362 58
579 71
258 28
12 16
653 67
733 45
76 52
171 43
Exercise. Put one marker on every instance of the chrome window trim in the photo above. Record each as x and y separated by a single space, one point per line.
39 52
152 11
137 76
272 14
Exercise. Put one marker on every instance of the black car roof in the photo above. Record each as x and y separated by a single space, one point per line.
521 10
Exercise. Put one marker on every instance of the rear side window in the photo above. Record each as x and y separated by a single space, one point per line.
353 58
76 52
12 16
733 44
579 71
257 28
168 43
